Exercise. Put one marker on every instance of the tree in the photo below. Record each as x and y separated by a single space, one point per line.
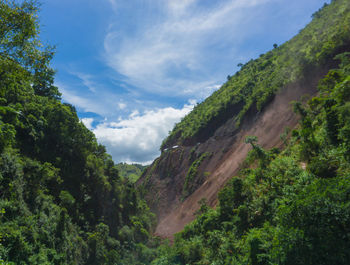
251 140
257 153
19 44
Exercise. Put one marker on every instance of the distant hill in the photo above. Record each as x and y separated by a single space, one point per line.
130 171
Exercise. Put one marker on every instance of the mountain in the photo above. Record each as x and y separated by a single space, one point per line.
206 149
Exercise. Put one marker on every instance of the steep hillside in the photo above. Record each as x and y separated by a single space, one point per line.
284 207
206 148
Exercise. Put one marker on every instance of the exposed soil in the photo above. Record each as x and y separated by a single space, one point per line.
165 178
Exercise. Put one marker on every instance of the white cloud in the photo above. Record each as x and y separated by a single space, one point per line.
137 138
88 122
105 103
121 105
86 104
86 80
169 55
134 114
178 7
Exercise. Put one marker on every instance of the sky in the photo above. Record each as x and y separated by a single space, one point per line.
134 68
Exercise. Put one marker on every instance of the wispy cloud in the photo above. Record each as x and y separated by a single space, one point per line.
86 104
104 103
179 7
114 4
171 54
138 137
86 79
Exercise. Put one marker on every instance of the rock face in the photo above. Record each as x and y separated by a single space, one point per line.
183 175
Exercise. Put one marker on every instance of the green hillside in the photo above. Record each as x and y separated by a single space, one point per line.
258 80
131 172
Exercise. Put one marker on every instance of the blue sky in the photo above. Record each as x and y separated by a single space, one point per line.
134 68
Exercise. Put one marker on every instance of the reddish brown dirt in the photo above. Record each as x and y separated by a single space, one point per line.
267 126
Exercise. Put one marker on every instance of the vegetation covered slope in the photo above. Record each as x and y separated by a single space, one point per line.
258 80
290 207
62 200
131 172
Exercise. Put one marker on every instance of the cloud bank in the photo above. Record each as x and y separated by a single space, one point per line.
137 138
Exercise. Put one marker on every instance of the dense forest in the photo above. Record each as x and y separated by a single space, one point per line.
63 200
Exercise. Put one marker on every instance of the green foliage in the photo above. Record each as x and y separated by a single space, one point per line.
20 47
132 172
255 85
192 175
